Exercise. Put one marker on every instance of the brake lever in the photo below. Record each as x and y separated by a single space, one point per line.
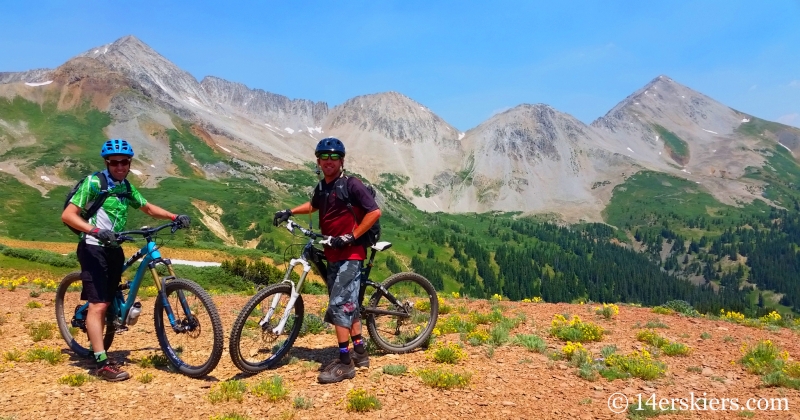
174 228
326 241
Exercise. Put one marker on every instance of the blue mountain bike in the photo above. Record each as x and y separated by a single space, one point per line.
191 337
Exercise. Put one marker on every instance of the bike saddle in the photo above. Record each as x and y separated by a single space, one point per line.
381 246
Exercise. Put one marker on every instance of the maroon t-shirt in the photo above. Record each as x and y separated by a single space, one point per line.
336 219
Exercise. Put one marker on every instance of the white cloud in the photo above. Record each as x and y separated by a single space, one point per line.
790 119
794 84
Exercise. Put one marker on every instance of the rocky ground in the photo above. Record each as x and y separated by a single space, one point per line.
511 383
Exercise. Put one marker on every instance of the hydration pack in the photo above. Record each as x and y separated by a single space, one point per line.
94 206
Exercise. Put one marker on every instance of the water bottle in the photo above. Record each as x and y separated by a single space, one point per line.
133 314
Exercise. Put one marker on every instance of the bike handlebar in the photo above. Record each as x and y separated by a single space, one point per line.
291 225
125 236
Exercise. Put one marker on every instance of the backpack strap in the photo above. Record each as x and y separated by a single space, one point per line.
340 188
342 193
104 194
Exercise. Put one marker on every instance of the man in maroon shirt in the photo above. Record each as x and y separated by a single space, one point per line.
346 224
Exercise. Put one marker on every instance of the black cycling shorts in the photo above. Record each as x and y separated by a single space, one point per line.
101 271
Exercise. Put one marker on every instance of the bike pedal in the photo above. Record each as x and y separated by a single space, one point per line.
120 330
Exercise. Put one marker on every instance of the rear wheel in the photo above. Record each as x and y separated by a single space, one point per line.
194 346
416 299
68 302
253 346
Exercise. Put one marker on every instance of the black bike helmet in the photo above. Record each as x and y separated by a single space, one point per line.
329 145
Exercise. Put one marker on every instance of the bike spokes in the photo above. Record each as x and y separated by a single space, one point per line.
191 337
71 313
402 314
256 344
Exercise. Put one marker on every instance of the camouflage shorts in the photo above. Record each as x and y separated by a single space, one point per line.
344 279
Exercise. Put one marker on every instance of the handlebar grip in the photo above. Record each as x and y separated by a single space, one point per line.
124 238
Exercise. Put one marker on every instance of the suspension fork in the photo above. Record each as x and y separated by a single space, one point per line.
292 297
161 285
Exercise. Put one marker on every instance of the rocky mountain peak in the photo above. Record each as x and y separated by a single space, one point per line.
394 116
666 102
528 131
277 110
30 76
155 75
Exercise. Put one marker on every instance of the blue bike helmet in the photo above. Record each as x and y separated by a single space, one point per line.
116 147
329 145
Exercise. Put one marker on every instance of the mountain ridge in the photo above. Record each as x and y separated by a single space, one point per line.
532 158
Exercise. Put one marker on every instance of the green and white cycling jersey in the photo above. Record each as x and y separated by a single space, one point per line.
114 213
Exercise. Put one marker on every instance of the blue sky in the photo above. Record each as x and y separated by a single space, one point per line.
464 60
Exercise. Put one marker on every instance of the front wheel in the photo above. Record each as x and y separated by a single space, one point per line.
71 324
254 347
416 308
194 343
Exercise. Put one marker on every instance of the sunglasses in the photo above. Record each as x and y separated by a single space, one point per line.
331 156
121 162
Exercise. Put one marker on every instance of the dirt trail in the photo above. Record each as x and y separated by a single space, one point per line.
512 384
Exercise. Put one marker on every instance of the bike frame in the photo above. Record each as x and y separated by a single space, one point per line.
151 258
307 259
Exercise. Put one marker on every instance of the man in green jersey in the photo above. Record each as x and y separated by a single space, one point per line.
100 256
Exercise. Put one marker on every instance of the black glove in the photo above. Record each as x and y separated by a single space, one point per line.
281 216
342 241
105 236
183 221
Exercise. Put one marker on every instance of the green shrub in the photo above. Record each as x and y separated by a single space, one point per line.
75 379
608 350
477 337
158 360
575 330
395 370
41 330
763 358
655 323
232 389
670 348
444 379
676 349
360 401
302 403
230 416
455 323
273 388
313 324
12 355
40 256
682 307
661 310
448 353
50 355
531 342
639 365
145 378
498 335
